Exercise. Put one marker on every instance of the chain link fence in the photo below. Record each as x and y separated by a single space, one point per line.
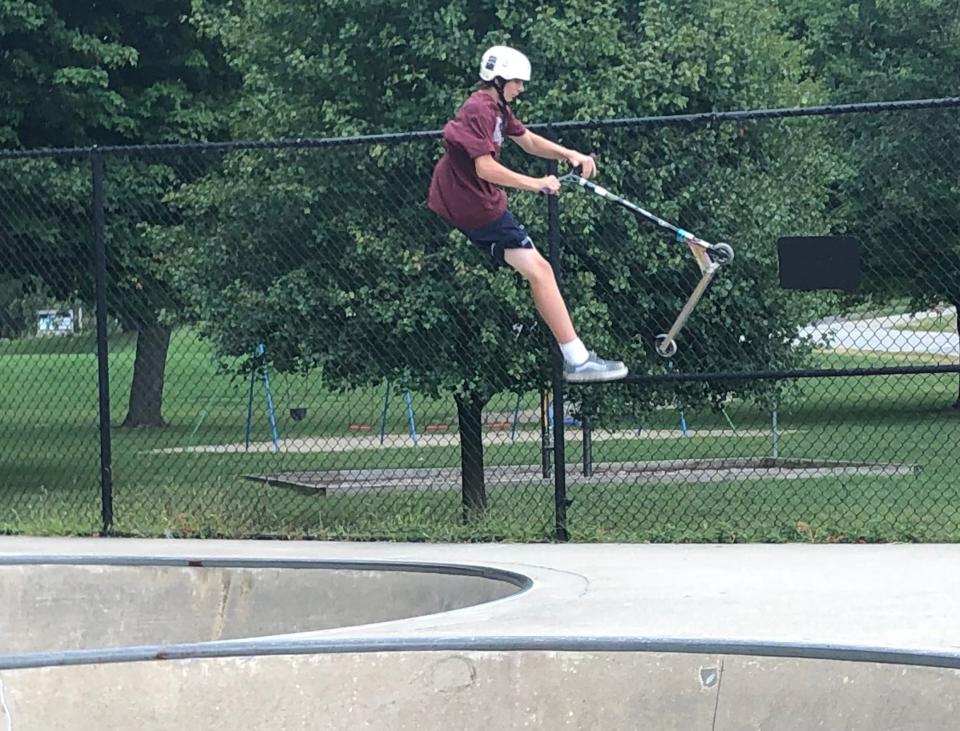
288 343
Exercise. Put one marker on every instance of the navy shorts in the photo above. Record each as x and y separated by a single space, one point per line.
494 238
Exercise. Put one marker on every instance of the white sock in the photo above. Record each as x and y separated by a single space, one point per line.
574 352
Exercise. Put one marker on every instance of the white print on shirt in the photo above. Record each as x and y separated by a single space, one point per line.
498 132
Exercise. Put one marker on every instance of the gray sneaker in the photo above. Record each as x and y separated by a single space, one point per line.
594 370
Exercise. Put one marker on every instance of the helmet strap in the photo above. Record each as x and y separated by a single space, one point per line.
498 83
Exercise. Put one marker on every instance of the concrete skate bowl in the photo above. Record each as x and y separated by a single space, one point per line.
57 605
470 679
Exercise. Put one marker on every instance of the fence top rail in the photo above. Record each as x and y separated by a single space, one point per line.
704 118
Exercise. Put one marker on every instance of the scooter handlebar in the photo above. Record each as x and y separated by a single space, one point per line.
572 175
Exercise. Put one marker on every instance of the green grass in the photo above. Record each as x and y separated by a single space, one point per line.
50 470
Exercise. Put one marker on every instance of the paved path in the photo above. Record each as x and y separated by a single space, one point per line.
884 335
401 441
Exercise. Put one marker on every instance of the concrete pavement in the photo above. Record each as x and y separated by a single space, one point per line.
604 636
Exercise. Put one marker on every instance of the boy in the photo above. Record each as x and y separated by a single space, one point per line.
465 192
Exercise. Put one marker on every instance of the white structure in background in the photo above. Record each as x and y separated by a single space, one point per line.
59 322
889 334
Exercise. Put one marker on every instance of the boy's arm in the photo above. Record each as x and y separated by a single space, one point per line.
534 144
489 169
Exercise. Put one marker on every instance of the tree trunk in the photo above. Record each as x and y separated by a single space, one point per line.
473 488
146 393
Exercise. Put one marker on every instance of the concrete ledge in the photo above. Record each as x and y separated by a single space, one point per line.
657 472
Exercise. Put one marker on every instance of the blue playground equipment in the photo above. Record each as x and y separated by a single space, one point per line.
411 416
260 369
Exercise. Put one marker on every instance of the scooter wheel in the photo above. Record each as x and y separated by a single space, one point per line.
722 253
665 352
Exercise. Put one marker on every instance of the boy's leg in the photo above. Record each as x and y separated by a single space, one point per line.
579 364
506 241
546 294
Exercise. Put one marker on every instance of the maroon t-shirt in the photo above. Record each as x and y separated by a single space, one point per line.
456 193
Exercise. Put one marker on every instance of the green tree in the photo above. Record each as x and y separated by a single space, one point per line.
330 257
901 195
109 73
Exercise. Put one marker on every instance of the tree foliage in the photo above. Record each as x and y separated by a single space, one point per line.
75 74
901 195
330 257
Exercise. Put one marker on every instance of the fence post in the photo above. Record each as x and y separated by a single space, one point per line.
103 368
587 428
546 447
559 452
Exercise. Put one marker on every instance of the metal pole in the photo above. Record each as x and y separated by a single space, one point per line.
545 446
383 414
103 364
253 378
559 454
774 432
271 414
411 418
587 447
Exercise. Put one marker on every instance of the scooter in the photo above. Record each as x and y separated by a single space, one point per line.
709 257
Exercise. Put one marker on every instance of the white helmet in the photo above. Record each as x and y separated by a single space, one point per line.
507 63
